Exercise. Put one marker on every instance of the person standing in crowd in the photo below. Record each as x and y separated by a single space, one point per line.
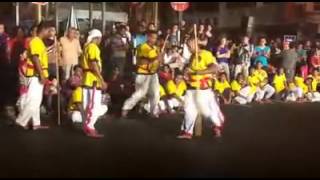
244 57
173 38
16 47
302 64
119 49
289 59
315 60
70 51
223 56
147 81
93 83
262 53
52 52
37 74
199 98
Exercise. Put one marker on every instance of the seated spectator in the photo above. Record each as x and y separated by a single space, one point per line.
312 95
176 90
265 91
280 84
223 88
294 93
119 90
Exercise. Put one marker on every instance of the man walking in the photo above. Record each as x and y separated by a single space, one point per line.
37 74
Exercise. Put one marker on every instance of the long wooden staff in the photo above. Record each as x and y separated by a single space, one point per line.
198 124
58 78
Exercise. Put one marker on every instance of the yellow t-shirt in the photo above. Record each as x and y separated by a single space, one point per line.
262 76
76 97
221 86
38 48
91 53
299 81
204 60
162 91
279 82
177 89
314 84
291 86
253 82
235 86
145 51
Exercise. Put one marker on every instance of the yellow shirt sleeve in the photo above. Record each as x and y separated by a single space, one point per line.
93 53
235 86
209 58
181 89
77 95
162 91
171 87
35 47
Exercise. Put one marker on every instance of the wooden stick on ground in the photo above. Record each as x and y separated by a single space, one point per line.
198 124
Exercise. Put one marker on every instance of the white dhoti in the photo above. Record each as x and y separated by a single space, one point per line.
245 96
145 85
30 103
92 103
313 96
265 93
294 94
201 102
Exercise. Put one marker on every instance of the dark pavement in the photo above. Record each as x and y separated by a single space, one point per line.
276 140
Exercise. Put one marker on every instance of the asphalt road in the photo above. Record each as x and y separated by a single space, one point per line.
276 140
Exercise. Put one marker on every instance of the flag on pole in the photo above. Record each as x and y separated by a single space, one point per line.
72 20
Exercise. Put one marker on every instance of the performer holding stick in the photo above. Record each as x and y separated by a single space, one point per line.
147 81
199 98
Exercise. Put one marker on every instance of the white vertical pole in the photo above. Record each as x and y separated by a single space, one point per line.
17 14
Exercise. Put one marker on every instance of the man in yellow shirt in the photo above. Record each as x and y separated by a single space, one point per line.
93 83
280 83
200 98
264 91
147 81
36 77
245 91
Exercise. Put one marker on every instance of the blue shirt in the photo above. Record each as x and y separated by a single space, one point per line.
260 55
139 39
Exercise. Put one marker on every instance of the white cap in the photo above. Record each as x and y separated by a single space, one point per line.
93 34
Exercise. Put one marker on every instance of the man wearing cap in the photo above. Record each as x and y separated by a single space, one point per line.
93 84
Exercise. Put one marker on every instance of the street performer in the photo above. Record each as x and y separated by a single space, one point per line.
199 97
93 84
36 74
149 59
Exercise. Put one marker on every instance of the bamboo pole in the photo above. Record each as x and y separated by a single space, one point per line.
199 122
58 79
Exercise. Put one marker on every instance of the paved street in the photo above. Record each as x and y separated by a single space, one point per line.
276 140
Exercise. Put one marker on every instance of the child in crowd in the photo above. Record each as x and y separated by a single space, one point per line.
312 95
223 88
280 84
265 90
244 93
176 90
